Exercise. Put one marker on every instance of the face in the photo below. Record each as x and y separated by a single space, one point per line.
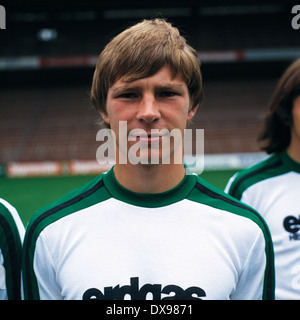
295 128
158 102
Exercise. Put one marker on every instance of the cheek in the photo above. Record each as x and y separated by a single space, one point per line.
178 110
296 112
116 113
296 118
296 125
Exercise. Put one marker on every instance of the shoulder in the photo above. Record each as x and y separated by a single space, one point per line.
208 194
74 201
80 198
214 197
270 167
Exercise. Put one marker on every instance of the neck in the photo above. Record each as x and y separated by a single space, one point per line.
149 178
294 153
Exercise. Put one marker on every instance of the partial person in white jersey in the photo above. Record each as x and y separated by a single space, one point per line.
11 237
272 186
147 230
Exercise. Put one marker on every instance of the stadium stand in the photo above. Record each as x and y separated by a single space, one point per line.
47 124
47 115
232 115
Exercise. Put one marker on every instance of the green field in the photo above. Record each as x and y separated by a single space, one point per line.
28 195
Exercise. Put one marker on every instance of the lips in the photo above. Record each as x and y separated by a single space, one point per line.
144 136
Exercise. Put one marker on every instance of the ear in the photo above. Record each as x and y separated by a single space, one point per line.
105 117
192 112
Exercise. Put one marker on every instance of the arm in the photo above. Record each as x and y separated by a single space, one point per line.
39 278
254 282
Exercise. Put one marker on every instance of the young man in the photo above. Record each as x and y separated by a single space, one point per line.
11 237
143 230
272 187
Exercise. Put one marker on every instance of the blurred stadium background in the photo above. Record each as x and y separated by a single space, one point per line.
47 56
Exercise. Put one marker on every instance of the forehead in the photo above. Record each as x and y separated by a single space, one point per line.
163 77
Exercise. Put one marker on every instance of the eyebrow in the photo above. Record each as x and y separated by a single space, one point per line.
123 88
163 87
171 87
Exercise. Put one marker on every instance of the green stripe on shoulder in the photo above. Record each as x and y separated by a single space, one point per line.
79 199
214 197
271 167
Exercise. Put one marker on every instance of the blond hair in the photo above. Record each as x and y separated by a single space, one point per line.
142 50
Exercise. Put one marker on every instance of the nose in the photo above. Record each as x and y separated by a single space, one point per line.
148 110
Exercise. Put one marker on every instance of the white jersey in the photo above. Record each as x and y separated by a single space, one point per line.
103 241
11 237
272 187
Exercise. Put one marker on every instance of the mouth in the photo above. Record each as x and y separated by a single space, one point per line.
154 136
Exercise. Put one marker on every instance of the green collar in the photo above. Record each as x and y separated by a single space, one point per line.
149 200
289 162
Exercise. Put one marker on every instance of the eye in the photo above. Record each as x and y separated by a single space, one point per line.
128 95
167 94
